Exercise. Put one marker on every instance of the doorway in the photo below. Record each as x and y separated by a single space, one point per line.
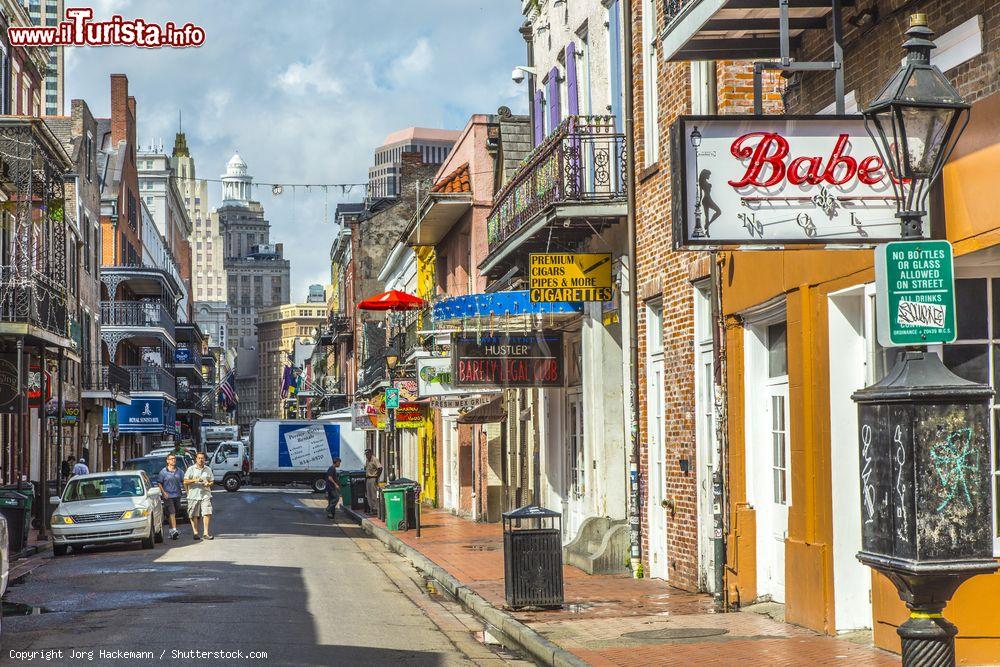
705 436
768 447
656 490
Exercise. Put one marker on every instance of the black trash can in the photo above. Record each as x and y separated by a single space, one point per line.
358 490
16 509
532 557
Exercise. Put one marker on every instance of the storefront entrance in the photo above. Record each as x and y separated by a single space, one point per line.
656 491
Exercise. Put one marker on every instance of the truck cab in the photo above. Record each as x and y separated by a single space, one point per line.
230 464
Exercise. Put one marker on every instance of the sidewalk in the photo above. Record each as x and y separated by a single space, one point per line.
615 619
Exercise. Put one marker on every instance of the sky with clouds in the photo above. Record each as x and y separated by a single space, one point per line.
306 90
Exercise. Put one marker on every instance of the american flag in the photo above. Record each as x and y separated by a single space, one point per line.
227 393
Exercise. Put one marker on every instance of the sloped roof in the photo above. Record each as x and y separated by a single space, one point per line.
456 181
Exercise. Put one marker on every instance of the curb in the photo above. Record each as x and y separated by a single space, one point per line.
27 560
519 634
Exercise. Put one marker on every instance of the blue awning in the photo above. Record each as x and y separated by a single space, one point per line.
500 304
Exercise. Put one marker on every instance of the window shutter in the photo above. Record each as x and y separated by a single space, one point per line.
572 94
555 113
614 33
539 118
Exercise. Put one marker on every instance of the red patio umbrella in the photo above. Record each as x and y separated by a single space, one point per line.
392 300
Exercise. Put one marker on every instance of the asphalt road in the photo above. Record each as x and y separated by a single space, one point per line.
280 578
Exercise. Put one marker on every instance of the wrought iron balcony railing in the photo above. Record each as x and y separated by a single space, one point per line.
189 399
672 8
98 376
152 378
34 299
582 161
137 314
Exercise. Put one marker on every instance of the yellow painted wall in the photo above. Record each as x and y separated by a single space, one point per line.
806 278
426 436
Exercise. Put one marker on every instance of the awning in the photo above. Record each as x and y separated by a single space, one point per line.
500 304
439 214
490 413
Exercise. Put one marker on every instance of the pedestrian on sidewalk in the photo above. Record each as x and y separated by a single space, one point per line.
199 479
332 489
373 470
66 469
81 467
171 482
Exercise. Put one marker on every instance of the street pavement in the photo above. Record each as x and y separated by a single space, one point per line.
280 579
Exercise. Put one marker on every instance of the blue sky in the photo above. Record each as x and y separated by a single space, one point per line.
306 90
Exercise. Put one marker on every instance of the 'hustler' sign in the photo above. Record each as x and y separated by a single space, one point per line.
532 359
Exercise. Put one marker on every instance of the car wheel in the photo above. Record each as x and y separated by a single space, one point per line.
59 549
319 485
232 483
149 542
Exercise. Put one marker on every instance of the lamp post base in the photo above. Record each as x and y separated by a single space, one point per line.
928 640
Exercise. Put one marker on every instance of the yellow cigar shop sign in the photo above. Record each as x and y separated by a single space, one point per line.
570 276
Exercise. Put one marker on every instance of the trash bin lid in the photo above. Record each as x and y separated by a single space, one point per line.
402 481
531 512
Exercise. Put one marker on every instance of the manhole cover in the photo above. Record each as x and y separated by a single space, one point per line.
674 634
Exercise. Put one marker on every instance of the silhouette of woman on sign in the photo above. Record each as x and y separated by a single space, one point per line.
705 186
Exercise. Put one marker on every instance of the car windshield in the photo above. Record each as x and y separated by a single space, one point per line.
152 465
119 486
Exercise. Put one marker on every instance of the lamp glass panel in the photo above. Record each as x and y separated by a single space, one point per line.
926 131
927 85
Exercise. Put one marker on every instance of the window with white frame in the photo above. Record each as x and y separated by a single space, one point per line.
650 96
777 374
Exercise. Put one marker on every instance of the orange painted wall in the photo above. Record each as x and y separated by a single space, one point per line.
807 278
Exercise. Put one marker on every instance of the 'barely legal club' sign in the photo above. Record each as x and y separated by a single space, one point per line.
779 180
533 359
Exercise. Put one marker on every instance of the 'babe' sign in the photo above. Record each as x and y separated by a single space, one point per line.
776 181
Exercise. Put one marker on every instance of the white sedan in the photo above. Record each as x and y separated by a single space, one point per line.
107 507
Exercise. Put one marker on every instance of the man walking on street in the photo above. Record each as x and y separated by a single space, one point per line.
199 479
66 469
81 467
332 489
373 470
171 481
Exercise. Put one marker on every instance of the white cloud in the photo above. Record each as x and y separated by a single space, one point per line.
314 77
417 61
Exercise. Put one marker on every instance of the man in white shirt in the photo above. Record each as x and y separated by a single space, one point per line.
198 481
81 468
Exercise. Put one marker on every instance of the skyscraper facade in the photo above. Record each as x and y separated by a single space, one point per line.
433 146
257 276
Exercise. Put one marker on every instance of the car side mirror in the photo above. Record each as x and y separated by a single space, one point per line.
54 500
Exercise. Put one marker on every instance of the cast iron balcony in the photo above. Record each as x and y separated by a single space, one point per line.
152 378
111 378
137 315
35 300
581 162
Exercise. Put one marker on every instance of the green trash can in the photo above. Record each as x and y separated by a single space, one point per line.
26 489
344 477
15 506
395 507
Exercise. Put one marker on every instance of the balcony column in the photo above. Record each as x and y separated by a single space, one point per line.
43 438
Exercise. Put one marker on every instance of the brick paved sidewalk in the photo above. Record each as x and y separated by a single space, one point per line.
617 620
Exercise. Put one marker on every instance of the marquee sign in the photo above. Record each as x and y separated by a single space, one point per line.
779 180
531 359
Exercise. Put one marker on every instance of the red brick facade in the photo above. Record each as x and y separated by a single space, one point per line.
668 275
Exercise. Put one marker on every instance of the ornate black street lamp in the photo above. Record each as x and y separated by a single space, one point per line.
699 231
925 472
916 121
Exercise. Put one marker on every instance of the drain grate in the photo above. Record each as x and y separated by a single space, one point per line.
674 634
482 547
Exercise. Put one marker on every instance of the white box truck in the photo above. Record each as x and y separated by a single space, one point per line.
284 451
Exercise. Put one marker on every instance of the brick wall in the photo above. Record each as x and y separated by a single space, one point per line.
871 56
665 274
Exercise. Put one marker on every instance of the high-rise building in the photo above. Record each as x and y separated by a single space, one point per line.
257 276
49 13
280 328
208 273
433 146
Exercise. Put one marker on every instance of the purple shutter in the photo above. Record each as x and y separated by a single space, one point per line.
539 118
555 115
572 94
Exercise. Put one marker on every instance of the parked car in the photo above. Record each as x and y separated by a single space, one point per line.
4 555
122 506
152 464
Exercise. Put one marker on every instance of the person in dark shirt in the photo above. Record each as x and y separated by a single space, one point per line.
332 489
171 482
